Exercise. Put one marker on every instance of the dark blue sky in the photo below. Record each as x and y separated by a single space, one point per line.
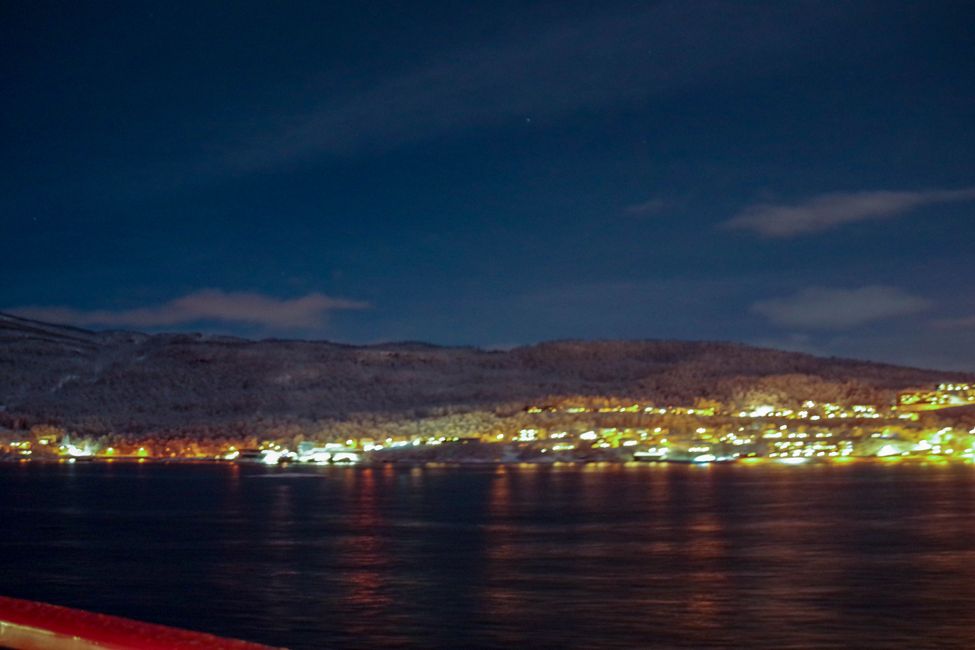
794 174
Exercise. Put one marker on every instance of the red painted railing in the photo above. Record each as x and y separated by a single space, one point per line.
26 625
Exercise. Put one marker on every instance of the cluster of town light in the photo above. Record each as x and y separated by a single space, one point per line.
704 445
810 410
308 452
765 437
946 395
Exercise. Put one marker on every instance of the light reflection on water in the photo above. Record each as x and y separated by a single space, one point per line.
570 556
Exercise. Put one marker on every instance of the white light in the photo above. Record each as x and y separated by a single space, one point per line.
271 457
797 460
888 450
78 452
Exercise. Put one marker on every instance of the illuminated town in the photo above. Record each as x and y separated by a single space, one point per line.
929 424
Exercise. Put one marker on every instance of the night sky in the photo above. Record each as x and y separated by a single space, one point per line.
792 174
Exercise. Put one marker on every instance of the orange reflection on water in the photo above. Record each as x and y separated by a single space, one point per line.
501 600
365 581
366 561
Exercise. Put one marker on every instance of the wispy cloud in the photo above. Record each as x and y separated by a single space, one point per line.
960 323
828 211
605 58
208 305
648 208
823 308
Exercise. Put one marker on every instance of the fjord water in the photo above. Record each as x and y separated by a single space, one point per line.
861 555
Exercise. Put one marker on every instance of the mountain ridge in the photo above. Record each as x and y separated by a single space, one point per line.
121 380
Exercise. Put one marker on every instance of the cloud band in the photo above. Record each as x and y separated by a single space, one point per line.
822 308
207 305
828 211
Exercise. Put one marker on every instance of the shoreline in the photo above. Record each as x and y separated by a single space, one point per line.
751 461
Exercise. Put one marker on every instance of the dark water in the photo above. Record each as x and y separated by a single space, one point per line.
875 556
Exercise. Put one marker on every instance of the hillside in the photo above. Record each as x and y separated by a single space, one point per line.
118 381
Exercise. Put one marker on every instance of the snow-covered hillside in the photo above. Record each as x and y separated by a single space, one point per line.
123 380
